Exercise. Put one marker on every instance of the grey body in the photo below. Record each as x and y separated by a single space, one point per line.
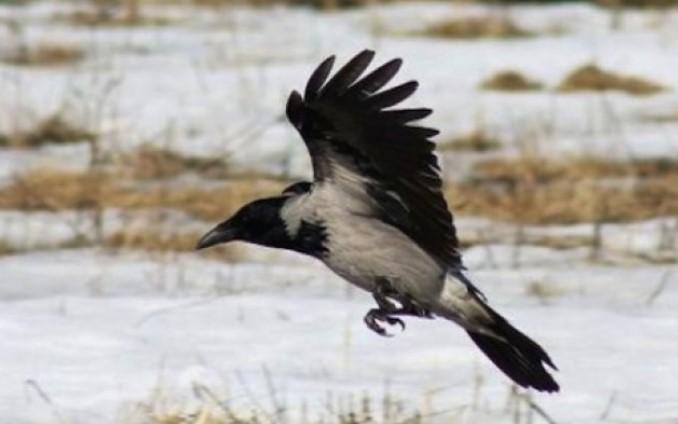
365 249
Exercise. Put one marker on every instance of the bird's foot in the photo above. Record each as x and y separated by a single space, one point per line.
411 308
375 317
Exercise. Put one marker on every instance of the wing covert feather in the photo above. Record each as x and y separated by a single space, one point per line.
348 130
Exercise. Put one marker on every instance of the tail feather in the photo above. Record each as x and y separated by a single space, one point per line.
518 356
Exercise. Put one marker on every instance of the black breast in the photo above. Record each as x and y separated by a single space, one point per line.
311 239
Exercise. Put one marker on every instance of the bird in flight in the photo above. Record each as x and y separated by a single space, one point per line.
375 213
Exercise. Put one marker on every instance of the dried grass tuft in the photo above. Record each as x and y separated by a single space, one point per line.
663 117
475 141
641 4
57 189
46 54
6 248
105 17
152 163
510 81
535 190
153 238
543 290
592 78
55 129
477 27
316 4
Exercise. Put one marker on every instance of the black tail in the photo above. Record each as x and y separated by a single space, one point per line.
519 357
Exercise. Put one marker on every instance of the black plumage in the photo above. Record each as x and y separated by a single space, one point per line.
345 117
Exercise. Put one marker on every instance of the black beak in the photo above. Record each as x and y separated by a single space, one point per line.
219 234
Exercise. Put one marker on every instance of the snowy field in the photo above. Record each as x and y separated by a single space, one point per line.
93 335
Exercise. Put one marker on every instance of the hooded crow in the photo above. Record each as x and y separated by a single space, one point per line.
375 213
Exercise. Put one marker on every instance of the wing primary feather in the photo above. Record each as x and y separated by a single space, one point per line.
342 121
348 73
377 78
295 109
392 96
423 132
317 79
403 116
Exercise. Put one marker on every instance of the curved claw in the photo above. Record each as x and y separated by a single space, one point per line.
393 321
374 316
370 320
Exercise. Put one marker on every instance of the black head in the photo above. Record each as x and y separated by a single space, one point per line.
257 222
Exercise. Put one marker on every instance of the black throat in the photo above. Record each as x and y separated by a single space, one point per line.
263 225
311 239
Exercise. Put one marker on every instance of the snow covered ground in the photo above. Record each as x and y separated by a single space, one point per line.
90 335
98 334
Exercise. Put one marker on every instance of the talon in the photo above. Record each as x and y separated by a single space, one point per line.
396 321
370 320
375 316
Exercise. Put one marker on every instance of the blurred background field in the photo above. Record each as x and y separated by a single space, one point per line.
128 128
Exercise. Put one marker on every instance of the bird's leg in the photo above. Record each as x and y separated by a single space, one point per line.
382 314
387 310
410 307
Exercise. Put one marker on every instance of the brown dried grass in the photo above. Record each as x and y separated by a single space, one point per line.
641 4
476 27
510 80
45 54
592 78
534 190
106 18
54 129
157 239
150 162
316 4
58 189
6 248
528 190
475 141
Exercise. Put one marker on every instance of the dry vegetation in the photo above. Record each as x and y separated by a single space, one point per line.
44 54
355 410
206 417
477 27
6 248
150 162
534 190
54 129
592 78
95 18
543 290
666 117
510 81
56 189
316 4
476 141
529 190
153 238
112 13
95 191
644 4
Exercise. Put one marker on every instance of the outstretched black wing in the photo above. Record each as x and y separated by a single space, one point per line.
372 153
